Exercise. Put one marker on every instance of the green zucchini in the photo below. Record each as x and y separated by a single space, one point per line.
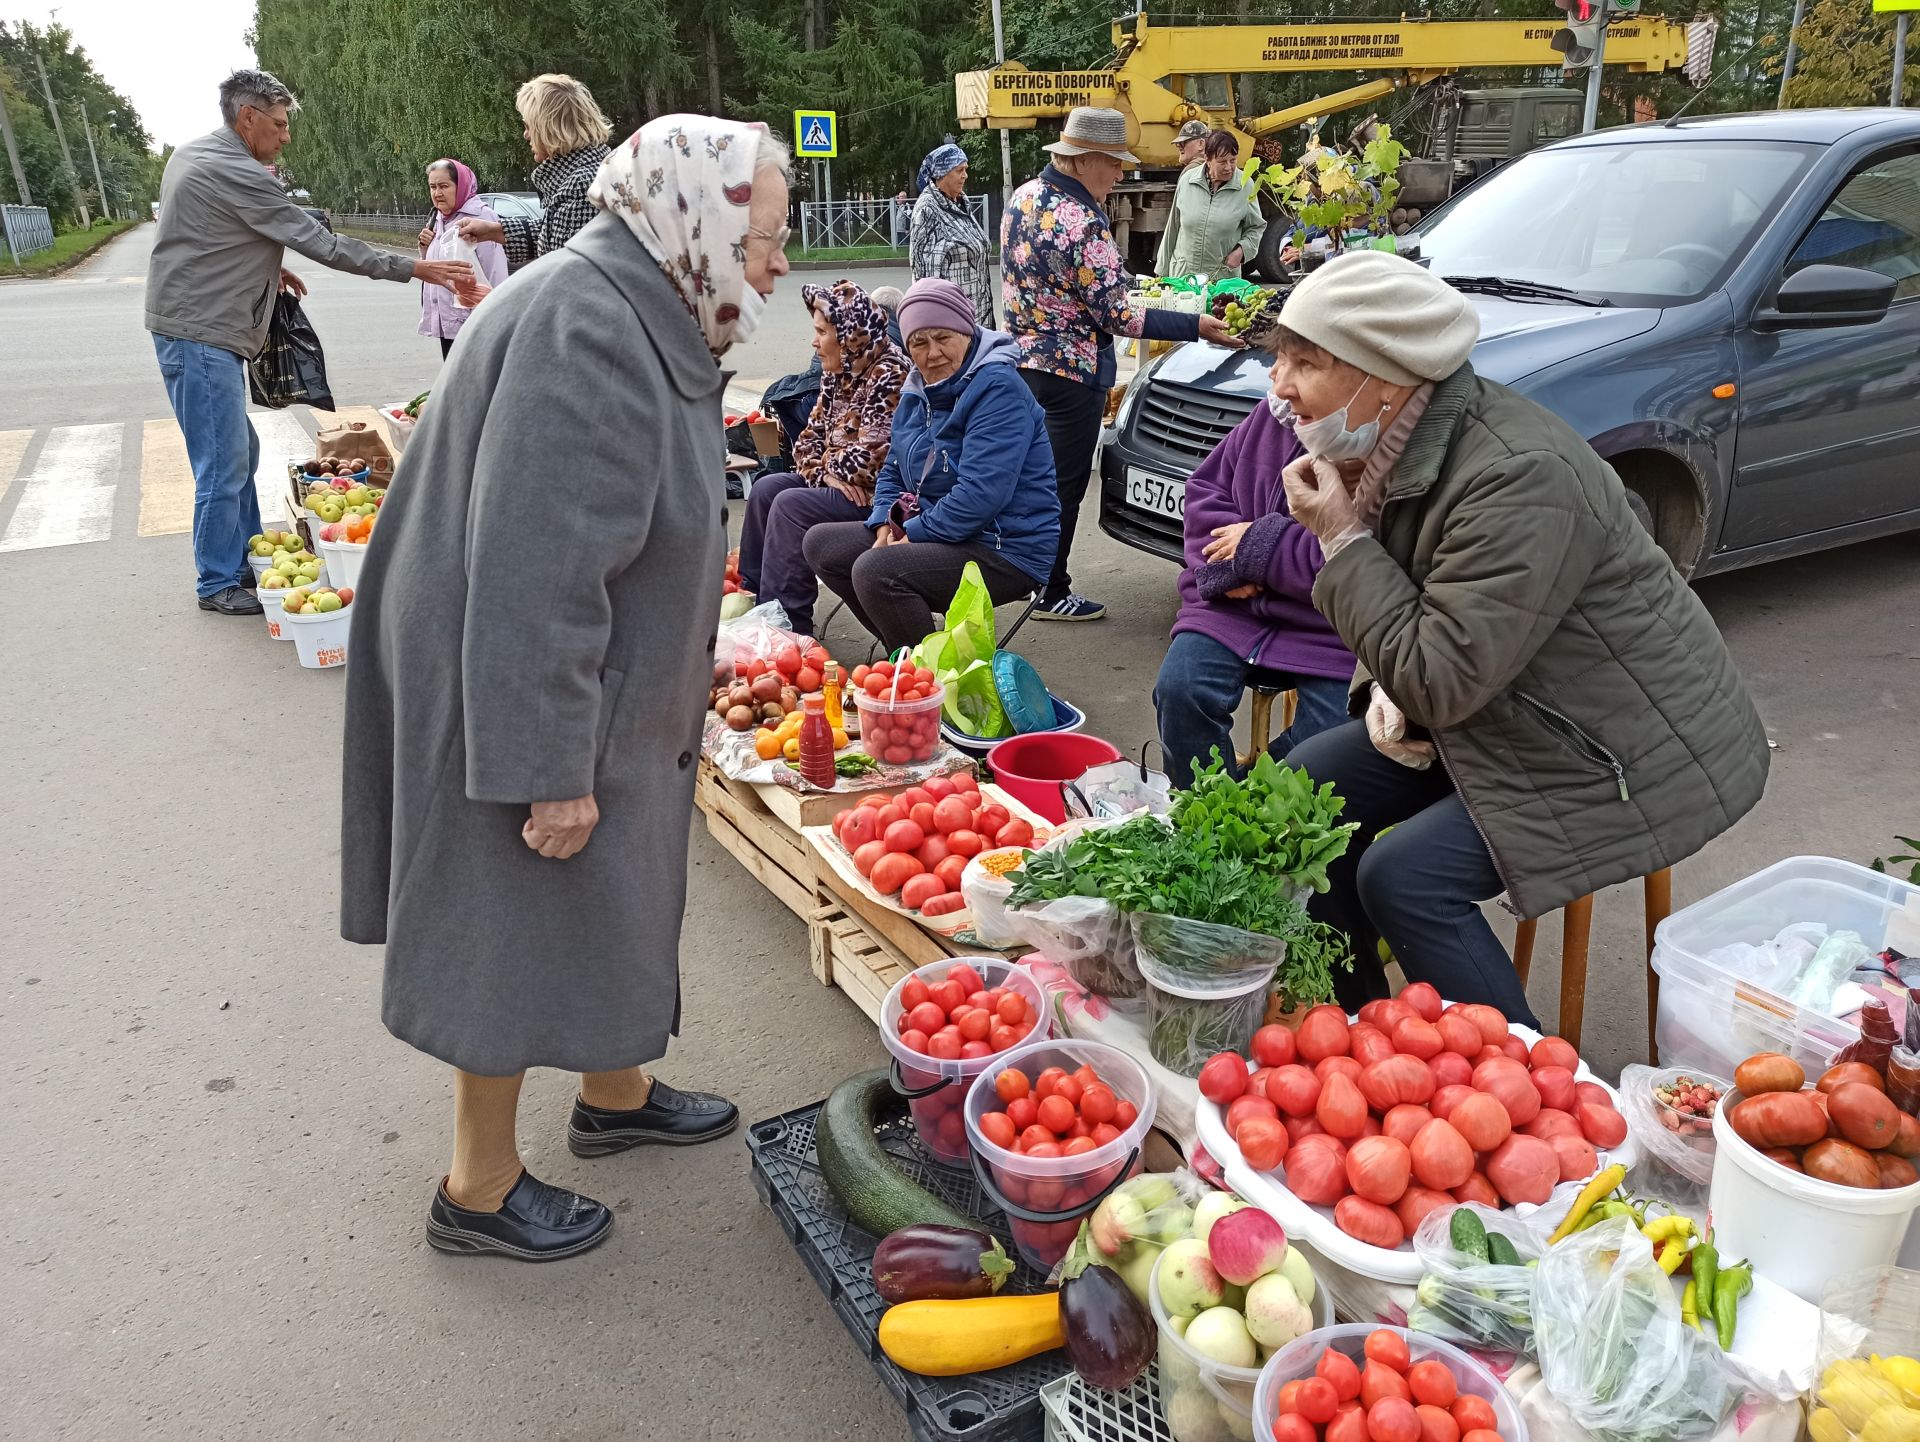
1468 1234
858 1171
1500 1251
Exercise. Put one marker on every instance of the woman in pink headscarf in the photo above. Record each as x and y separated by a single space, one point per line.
454 192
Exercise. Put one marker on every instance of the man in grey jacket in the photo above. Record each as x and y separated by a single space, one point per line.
224 225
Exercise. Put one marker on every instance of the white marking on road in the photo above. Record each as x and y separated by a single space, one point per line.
283 442
13 445
68 496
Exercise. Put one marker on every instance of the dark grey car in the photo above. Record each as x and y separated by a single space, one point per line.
1728 308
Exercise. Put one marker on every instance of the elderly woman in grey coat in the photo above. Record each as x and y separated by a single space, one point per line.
533 635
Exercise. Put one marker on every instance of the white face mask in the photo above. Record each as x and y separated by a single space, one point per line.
753 305
1328 438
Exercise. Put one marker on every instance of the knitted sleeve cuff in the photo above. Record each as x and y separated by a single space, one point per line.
1213 579
1253 557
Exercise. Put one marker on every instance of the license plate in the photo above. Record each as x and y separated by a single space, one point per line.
1156 493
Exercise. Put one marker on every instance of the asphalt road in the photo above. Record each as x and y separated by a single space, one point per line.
218 1161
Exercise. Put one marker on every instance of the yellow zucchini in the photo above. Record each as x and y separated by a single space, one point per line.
972 1334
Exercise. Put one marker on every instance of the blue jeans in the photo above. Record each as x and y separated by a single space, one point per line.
208 389
1198 690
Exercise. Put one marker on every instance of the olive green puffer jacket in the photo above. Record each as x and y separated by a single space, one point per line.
1580 695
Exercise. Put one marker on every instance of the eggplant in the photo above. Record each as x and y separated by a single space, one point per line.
1110 1336
927 1262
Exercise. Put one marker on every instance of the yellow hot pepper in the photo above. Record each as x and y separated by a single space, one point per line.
1690 1305
1608 1180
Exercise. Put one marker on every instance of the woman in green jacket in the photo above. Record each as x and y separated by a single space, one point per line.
1514 623
1215 222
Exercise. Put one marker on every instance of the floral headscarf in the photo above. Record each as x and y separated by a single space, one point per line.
683 183
850 430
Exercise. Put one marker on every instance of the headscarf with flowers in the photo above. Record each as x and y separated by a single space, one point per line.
683 183
850 430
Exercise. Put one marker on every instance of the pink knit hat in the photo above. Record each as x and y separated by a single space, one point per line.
934 304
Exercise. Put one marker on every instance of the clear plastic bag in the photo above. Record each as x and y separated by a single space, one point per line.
1088 937
1482 1305
1678 1140
758 635
1140 1218
1201 953
1120 788
1612 1347
1869 1385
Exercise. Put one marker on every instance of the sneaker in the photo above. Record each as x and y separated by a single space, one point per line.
1071 607
232 601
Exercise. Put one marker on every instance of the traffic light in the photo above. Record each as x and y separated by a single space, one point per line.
1579 37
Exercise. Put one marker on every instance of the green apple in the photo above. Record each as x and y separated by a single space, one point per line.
326 601
288 567
273 581
357 496
262 548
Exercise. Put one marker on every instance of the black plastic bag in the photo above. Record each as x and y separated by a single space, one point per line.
292 370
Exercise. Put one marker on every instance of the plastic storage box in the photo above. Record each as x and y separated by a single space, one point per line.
1714 1019
999 1406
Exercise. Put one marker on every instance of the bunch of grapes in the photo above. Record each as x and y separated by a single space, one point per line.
1240 312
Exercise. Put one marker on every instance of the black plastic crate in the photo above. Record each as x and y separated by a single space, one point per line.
998 1406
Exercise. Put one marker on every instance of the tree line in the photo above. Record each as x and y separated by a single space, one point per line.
129 168
386 86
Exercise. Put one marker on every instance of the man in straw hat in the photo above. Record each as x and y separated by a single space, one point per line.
1065 284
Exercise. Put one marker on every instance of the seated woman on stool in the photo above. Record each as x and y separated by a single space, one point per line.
969 478
837 455
1246 601
1512 621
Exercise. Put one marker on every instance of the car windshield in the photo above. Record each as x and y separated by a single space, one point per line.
1643 222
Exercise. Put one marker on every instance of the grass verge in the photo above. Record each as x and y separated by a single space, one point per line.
847 252
69 247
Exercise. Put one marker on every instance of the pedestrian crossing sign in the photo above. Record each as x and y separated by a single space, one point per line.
816 134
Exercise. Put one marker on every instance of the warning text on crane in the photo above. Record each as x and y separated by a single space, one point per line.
1336 47
1052 89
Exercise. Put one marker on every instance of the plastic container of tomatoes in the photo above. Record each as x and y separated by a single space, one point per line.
935 1087
897 730
1299 1357
1046 1198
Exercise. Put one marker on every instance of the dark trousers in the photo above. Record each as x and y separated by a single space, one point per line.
1199 689
446 346
1074 410
1418 887
781 509
893 589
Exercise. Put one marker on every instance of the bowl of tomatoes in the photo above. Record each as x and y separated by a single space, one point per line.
899 710
945 1024
1360 1383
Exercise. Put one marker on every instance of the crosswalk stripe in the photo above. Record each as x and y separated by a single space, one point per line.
13 445
166 480
68 496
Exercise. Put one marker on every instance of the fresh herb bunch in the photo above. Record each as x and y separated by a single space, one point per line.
1305 977
1275 820
1186 1031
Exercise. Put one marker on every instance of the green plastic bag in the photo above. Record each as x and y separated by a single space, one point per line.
961 658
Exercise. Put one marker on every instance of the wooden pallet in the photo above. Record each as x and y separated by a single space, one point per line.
772 851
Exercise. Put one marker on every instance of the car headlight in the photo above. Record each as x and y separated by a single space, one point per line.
1129 397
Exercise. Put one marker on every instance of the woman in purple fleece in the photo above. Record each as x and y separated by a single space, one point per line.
1246 602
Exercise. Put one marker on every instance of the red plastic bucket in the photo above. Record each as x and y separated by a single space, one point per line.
1033 767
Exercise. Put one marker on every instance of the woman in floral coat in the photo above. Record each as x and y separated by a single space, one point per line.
837 456
1065 286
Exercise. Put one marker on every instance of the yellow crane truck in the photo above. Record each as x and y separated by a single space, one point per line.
1162 76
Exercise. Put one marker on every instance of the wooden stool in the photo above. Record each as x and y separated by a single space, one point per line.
1576 924
1266 685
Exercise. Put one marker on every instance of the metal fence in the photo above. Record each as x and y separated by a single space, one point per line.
380 223
844 224
28 228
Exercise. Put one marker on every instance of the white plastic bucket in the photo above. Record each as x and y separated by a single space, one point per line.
1229 1389
1798 1230
272 606
986 897
320 641
343 560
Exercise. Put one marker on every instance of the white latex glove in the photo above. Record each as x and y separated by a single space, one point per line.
1387 729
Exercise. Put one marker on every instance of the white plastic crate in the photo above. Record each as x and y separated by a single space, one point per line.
1079 1412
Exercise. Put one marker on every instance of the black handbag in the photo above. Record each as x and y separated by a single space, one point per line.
292 370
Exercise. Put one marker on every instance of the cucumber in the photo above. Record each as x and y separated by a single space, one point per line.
858 1171
1500 1251
1468 1234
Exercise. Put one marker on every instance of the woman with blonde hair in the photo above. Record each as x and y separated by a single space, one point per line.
568 134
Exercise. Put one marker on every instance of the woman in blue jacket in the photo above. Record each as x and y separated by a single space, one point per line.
969 477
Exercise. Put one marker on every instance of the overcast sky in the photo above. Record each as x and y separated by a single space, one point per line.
167 56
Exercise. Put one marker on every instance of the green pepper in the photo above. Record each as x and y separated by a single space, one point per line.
1732 1284
1706 1268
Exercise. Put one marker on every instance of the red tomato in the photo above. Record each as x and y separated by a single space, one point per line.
1477 1189
1002 1037
1554 1051
1015 833
1403 1122
860 827
945 1044
1323 1033
1603 1126
1386 1084
1285 1403
1012 1008
921 814
1515 1048
1033 1136
859 675
904 836
1341 1370
1262 1141
1341 1109
1481 1434
1244 1107
950 994
1436 1424
1432 1382
1424 1000
1105 1132
1458 1034
1044 1084
1378 1169
1345 1065
914 1039
1415 1036
928 1016
950 869
964 842
1078 1146
997 1128
1098 1103
1294 1428
1369 1222
1223 1077
1025 1111
1370 1045
913 796
1057 1115
1294 1089
1389 1349
976 1025
931 852
1125 1115
1319 1397
1412 1208
1273 1045
915 893
913 992
1011 1084
1450 1069
868 856
1474 1414
1349 1426
1070 1087
1392 1419
952 815
1298 1127
940 788
1317 1171
965 781
875 685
